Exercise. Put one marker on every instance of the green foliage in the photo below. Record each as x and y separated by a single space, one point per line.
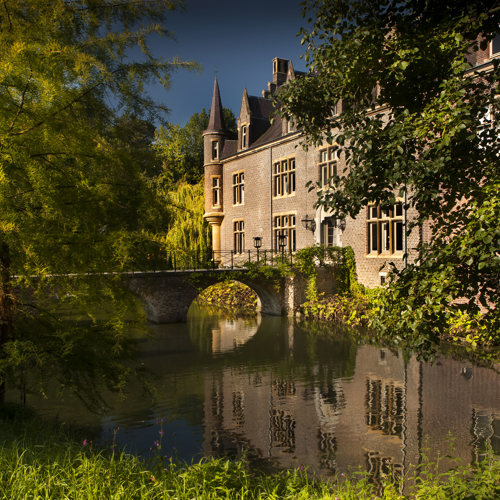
187 233
47 461
350 311
180 149
340 260
429 134
70 183
274 271
75 188
230 296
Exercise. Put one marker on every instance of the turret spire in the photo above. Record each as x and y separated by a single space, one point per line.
216 121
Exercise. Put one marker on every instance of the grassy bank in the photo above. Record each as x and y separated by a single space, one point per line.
38 460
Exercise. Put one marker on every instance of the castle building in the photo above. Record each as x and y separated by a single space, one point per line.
256 188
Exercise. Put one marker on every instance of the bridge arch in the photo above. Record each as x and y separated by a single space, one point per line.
168 296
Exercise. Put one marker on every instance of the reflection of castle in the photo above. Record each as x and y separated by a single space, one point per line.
230 334
384 416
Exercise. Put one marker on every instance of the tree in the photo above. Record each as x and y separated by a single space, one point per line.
73 199
416 120
180 149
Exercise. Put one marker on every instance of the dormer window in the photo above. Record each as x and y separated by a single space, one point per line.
244 137
215 150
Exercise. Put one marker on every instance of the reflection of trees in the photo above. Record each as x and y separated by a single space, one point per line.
79 353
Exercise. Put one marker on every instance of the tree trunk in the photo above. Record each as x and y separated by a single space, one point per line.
6 306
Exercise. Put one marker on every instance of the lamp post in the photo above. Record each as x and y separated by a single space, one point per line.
257 243
282 244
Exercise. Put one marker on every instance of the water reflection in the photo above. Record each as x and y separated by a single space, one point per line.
229 334
290 398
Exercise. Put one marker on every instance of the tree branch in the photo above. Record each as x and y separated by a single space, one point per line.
20 108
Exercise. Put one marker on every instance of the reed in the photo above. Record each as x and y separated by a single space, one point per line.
46 461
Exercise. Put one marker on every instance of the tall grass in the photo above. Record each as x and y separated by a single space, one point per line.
40 461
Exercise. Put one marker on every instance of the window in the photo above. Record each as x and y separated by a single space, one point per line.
244 136
216 192
215 150
495 46
284 177
329 233
385 229
328 165
239 236
284 225
238 188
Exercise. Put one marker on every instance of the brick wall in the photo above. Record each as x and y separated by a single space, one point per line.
260 206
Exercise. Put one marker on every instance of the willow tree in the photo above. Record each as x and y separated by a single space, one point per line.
73 198
417 119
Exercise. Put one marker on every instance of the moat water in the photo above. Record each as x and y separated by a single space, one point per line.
265 388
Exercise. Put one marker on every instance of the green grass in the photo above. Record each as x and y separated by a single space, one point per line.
44 461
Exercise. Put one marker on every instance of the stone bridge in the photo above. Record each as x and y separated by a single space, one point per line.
167 295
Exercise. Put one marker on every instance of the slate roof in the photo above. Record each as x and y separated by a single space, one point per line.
230 148
260 107
216 120
272 133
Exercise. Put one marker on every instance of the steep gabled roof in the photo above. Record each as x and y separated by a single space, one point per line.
272 133
260 107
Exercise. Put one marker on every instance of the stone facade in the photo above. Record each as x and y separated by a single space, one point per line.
256 187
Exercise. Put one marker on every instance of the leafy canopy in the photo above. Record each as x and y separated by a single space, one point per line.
180 149
392 84
70 185
75 196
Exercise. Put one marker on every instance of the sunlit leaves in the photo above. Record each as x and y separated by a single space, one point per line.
429 132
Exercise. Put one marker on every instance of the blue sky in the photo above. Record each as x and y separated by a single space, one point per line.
238 40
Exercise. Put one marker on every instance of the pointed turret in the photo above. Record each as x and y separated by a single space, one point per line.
216 121
213 139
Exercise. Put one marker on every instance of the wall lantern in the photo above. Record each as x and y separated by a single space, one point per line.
309 224
339 222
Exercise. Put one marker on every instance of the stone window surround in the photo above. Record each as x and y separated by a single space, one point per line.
239 235
327 166
285 222
244 135
216 191
497 53
238 187
388 222
215 149
284 182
